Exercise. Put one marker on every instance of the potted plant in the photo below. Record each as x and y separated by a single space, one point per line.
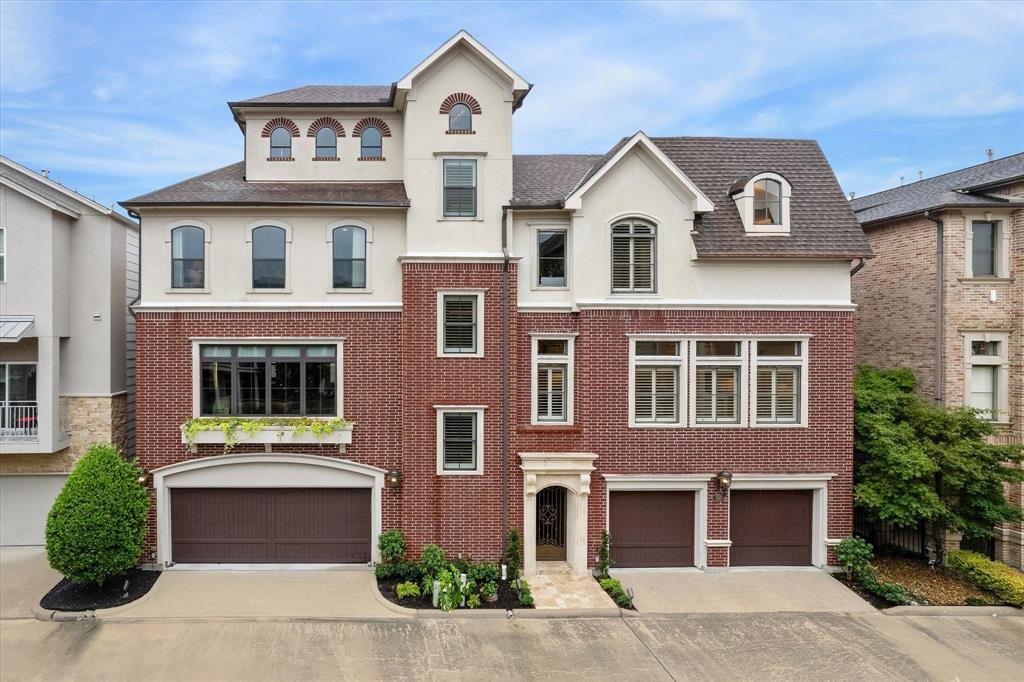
489 592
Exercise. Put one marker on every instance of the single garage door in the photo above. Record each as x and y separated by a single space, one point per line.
770 527
270 525
25 501
651 528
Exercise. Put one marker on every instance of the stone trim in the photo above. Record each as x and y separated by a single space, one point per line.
371 121
280 122
460 98
325 122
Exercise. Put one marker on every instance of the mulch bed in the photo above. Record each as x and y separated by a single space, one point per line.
115 591
931 586
508 598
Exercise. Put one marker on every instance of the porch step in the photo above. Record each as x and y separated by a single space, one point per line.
554 568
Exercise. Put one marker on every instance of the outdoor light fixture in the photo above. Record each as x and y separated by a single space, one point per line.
143 477
724 481
394 478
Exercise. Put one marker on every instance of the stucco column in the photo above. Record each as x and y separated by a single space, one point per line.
48 390
579 539
529 525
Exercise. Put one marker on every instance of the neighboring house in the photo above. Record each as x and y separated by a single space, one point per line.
67 270
945 296
556 343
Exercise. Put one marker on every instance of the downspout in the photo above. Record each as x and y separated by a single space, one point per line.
504 380
940 310
861 262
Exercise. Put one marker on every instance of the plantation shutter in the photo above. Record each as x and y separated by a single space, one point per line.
551 392
717 394
725 394
459 440
656 394
644 394
643 263
460 187
778 393
622 256
665 394
460 324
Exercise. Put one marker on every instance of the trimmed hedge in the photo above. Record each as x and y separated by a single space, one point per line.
1003 581
97 525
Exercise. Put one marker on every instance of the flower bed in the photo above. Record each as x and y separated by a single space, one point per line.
115 591
508 598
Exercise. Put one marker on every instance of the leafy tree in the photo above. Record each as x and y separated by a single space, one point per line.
97 525
919 462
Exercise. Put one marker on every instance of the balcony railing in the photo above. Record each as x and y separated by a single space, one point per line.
19 421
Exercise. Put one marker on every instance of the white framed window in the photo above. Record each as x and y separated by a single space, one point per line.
460 439
986 246
551 257
3 254
189 246
986 372
719 382
459 188
655 381
552 378
763 203
780 382
633 256
460 323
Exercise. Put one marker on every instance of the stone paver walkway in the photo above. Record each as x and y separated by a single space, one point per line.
555 587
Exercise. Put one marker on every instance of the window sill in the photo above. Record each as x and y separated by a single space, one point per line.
460 132
772 425
280 435
985 280
716 425
371 158
544 427
268 291
456 356
664 425
459 219
280 158
326 158
460 472
349 291
540 287
187 291
635 294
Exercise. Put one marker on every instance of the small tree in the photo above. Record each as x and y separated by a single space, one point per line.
918 462
604 554
97 525
513 553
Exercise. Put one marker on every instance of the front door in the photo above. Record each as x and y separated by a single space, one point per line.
551 524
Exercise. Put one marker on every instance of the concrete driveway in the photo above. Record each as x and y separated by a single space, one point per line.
25 576
740 591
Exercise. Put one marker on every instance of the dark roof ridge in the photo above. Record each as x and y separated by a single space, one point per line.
940 175
733 137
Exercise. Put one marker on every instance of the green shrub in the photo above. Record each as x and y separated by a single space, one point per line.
453 593
483 573
604 555
513 553
890 592
614 589
999 579
97 525
489 589
432 560
854 554
407 589
404 571
473 601
391 544
525 594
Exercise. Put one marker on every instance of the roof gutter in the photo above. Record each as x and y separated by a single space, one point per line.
940 312
861 262
504 378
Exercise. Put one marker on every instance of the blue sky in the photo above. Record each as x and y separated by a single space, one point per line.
120 98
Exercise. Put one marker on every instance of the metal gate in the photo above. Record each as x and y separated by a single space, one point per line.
551 524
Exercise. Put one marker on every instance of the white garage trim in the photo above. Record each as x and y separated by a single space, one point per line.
817 482
698 483
272 470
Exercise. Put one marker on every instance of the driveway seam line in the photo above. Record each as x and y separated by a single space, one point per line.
649 650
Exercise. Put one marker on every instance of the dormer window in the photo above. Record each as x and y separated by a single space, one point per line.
280 143
768 202
326 143
460 118
762 200
371 143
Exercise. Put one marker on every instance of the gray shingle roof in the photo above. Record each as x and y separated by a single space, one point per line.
948 190
821 222
227 186
324 95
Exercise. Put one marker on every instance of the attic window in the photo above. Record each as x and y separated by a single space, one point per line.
767 202
762 200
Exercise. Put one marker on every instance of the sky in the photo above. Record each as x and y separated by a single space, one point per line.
120 98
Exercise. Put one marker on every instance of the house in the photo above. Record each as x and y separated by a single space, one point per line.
945 298
657 339
68 270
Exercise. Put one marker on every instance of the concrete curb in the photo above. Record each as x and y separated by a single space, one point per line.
961 611
48 616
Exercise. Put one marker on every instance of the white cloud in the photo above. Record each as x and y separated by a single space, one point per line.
29 50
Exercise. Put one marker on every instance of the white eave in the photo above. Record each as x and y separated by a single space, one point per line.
519 83
702 203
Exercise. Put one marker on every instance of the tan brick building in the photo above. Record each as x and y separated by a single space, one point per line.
944 295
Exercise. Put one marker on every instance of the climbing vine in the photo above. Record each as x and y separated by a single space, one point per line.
248 426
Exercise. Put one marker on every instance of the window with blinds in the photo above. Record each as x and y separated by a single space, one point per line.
778 382
459 441
460 323
656 395
633 257
459 188
551 390
717 395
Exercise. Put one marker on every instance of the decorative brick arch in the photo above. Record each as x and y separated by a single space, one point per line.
460 98
371 122
280 122
325 122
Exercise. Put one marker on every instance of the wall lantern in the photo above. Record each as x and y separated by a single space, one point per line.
143 477
724 482
394 478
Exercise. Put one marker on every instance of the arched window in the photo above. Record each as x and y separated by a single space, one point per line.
326 143
767 202
371 143
188 261
633 256
460 118
349 244
280 143
268 257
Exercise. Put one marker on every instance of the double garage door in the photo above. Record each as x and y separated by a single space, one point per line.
270 525
656 528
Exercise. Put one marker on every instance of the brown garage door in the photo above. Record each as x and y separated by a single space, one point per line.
651 528
770 527
270 525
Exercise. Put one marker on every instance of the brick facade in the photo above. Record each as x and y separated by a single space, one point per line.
393 379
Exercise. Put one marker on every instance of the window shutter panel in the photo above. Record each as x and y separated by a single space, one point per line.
621 263
704 406
725 398
643 263
643 394
667 394
786 391
543 402
459 441
765 394
557 388
460 323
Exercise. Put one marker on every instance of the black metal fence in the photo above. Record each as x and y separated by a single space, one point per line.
888 538
986 546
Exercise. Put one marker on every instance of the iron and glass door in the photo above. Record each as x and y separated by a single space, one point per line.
551 524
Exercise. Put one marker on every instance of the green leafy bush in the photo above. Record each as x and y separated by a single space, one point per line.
483 573
432 560
473 601
513 553
453 593
97 525
1001 580
403 571
525 594
407 589
391 544
489 589
854 554
614 589
604 555
891 592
